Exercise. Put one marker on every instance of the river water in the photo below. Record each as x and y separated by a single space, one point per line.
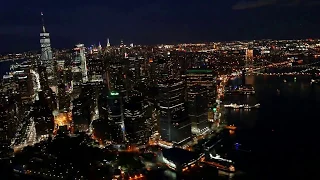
282 134
5 66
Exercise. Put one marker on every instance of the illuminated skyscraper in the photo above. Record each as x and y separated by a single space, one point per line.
198 109
46 56
135 120
80 64
108 43
115 118
25 86
204 78
96 68
249 58
174 124
42 115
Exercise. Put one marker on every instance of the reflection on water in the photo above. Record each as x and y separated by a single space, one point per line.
279 132
276 98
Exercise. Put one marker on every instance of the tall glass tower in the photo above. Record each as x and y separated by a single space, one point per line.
46 55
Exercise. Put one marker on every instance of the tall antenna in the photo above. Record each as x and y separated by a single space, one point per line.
43 27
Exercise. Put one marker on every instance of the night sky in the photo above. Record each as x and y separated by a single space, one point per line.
153 22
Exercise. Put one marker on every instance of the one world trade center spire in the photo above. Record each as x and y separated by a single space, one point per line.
46 55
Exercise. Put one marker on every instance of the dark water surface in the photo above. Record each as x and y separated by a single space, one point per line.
283 133
5 66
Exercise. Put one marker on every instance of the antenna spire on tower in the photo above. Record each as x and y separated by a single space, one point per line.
108 43
42 19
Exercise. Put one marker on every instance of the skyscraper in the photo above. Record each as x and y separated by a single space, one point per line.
135 121
175 125
80 64
248 58
204 78
46 56
198 109
115 118
108 43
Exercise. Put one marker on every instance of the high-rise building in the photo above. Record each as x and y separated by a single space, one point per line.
198 109
174 123
42 116
202 77
81 115
108 43
79 69
135 120
46 56
43 77
248 58
116 118
24 86
96 68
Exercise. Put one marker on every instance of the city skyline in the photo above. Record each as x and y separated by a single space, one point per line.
154 23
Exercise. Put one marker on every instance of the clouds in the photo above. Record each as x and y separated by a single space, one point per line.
251 4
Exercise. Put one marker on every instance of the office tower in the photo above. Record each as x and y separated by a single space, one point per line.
115 118
63 99
84 107
63 87
24 86
134 67
198 109
79 69
42 116
43 77
135 120
248 58
81 115
174 124
96 69
46 56
202 77
99 47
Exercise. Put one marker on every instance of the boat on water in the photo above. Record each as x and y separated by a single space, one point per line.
285 80
240 106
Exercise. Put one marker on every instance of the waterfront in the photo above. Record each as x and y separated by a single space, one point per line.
281 133
5 66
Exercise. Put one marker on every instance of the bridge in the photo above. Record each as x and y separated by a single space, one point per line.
257 67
